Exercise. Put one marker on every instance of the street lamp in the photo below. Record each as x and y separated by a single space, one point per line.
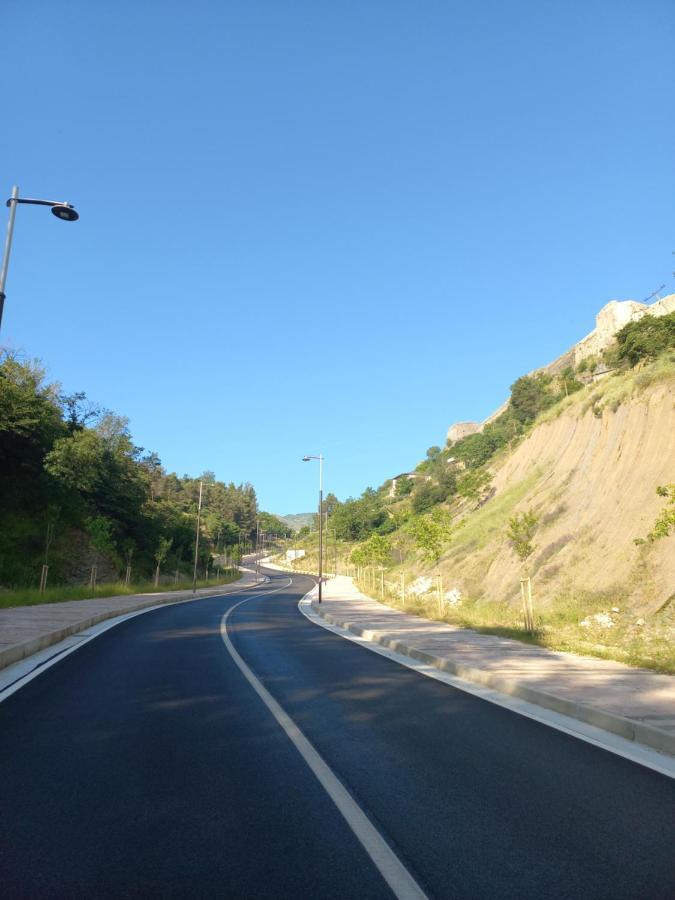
320 458
60 209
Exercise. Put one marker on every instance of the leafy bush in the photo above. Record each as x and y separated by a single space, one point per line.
431 533
570 384
404 486
588 364
475 449
646 338
530 395
356 519
473 485
427 494
665 523
375 551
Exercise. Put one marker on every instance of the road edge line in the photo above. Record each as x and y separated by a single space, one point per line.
394 872
553 716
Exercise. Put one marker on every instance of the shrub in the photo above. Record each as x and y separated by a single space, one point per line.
570 384
404 486
646 338
473 485
530 395
426 495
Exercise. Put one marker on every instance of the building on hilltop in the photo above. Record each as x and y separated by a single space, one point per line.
611 318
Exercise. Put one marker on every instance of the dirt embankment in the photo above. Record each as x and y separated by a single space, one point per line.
591 475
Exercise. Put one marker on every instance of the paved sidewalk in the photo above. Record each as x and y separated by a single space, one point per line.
634 703
25 630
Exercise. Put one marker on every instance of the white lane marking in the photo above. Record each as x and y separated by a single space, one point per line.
605 740
399 879
23 671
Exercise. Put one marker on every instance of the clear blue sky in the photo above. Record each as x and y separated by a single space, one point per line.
328 226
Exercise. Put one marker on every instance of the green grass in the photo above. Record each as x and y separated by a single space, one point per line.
60 594
479 526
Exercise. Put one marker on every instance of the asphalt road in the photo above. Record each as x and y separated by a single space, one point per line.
145 765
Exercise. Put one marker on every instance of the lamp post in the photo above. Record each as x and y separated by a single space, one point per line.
61 210
320 458
257 550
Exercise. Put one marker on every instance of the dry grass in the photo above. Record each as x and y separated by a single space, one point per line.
649 645
615 389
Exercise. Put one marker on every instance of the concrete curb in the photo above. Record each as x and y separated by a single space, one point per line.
626 728
17 652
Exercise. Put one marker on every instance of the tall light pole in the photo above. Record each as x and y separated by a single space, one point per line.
60 209
199 515
257 549
320 458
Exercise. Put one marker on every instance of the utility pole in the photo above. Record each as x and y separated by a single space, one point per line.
199 514
257 549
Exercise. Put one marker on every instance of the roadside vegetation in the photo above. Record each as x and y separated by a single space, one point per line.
62 593
81 503
401 539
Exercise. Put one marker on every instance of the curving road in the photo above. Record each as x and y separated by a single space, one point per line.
146 765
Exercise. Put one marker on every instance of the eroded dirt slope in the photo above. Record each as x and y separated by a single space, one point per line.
591 475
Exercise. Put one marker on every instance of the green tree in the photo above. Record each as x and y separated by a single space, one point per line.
426 495
475 449
646 338
377 550
404 486
273 525
473 485
161 552
569 382
521 532
530 395
356 519
431 534
101 535
665 523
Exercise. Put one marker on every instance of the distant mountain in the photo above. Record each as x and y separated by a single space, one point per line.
296 521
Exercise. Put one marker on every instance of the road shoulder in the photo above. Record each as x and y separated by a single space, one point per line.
609 698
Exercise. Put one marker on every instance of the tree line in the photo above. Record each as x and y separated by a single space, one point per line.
75 489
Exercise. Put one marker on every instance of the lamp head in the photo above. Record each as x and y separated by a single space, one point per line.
66 212
305 458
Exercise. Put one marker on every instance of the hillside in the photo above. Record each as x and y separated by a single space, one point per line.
590 474
296 521
585 452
